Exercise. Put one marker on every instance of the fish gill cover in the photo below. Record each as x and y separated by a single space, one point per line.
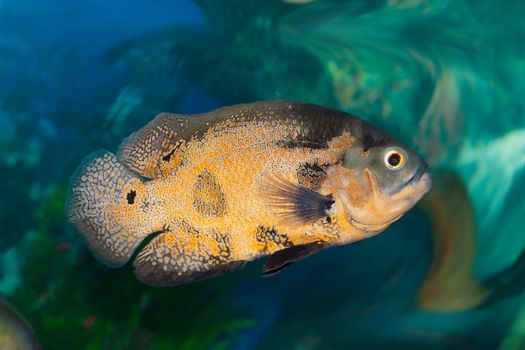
446 77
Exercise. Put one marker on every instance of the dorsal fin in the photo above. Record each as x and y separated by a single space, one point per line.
159 146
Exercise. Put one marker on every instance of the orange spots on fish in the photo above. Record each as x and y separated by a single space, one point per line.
272 246
213 247
170 239
256 246
150 170
191 245
342 142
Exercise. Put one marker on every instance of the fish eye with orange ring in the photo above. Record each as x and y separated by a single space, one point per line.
395 159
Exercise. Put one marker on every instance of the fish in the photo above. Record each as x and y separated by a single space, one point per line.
188 197
15 332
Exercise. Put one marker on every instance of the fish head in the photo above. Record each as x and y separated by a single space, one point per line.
378 180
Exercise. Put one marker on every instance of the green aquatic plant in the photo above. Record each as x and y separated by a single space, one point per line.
50 214
73 302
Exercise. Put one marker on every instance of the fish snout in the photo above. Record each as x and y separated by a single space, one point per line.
425 182
421 170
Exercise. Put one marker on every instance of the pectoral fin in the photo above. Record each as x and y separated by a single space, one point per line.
279 260
294 204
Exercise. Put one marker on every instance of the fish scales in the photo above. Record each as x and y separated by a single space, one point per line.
240 182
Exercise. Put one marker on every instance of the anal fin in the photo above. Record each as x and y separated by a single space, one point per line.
184 256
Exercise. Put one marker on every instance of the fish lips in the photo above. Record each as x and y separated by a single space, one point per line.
421 180
419 173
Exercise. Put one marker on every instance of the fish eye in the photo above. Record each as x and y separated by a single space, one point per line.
395 159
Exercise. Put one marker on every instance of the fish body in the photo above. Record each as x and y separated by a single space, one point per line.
209 192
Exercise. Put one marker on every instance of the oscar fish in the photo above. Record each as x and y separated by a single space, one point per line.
189 197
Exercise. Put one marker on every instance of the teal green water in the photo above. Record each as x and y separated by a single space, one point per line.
446 77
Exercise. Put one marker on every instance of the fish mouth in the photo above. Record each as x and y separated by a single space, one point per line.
420 181
420 171
420 178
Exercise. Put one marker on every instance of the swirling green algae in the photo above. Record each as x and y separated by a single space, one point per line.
73 302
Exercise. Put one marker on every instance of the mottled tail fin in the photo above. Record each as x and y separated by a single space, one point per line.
104 208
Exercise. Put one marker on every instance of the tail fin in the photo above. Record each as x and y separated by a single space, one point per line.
103 207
